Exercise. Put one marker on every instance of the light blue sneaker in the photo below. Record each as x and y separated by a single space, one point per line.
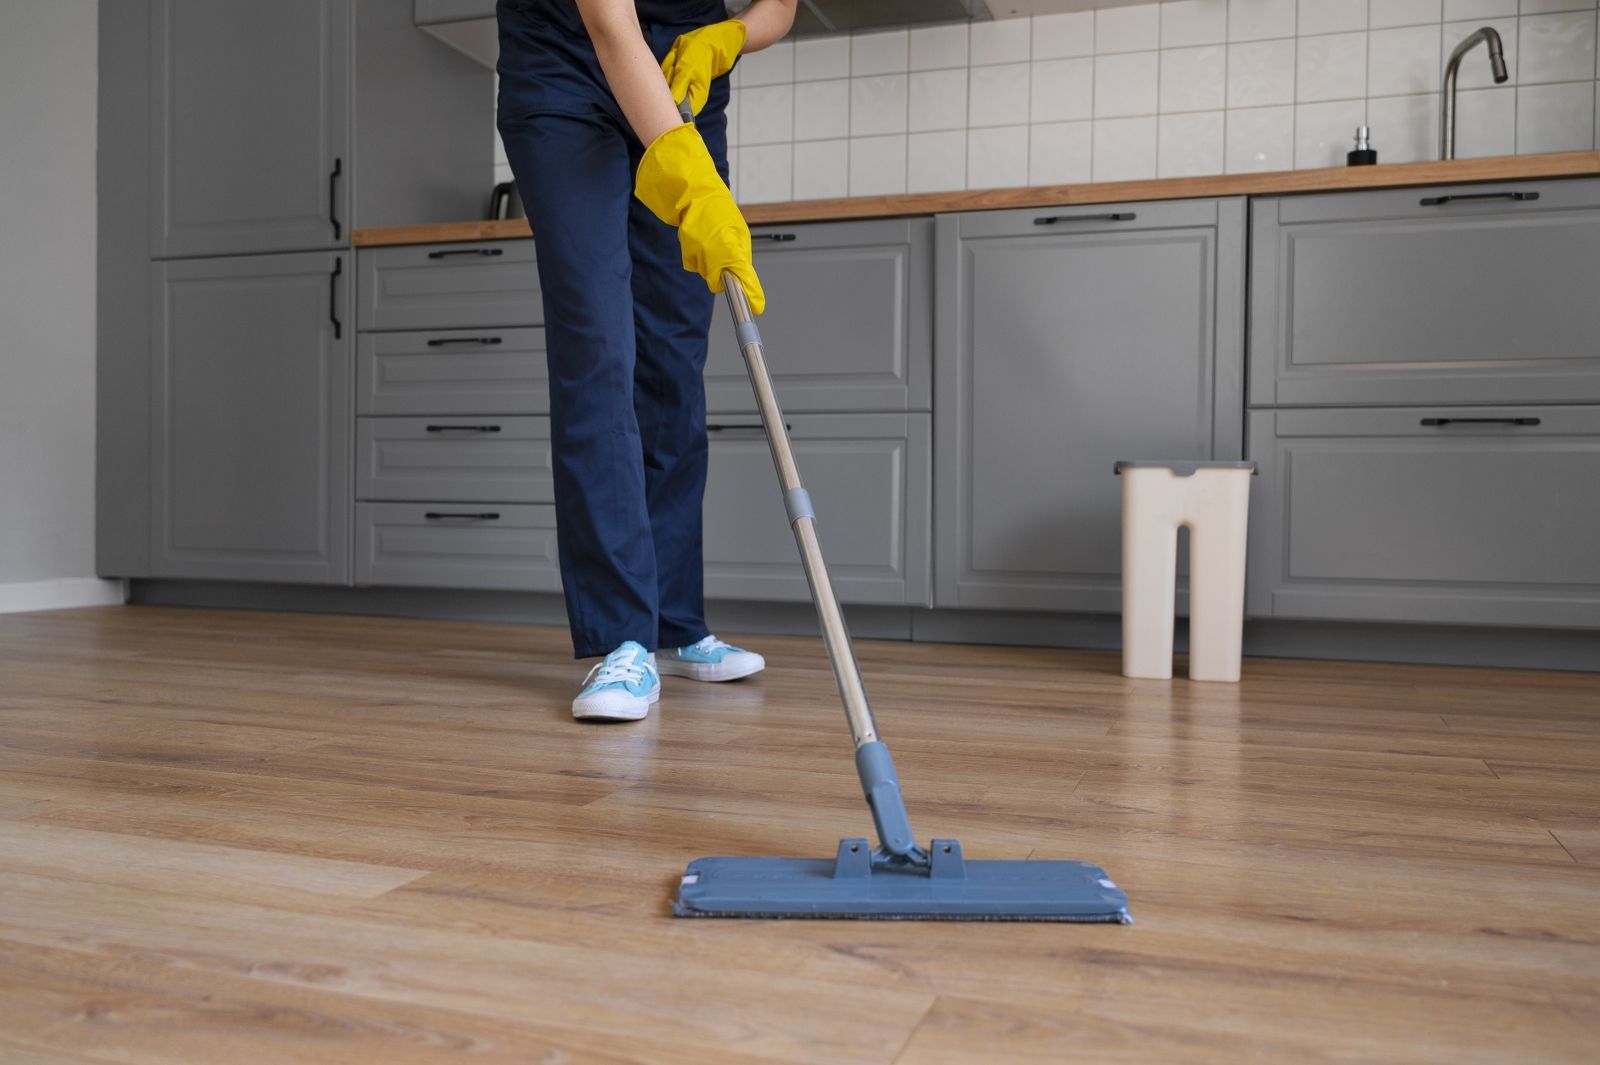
710 659
621 687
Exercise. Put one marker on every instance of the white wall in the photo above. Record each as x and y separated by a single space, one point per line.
48 80
1177 88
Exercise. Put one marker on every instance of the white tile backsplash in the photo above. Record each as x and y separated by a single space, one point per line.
936 162
1125 149
1126 85
878 165
997 157
1062 90
1060 153
1176 88
938 100
878 104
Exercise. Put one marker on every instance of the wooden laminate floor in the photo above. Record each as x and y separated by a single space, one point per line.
232 837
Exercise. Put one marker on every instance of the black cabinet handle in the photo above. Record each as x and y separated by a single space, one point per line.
463 428
1514 197
436 515
333 297
1116 216
1432 422
442 341
453 252
333 197
715 428
776 238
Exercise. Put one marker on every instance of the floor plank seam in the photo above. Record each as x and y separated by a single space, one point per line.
1563 846
911 1036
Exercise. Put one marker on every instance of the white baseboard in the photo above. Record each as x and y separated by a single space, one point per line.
64 592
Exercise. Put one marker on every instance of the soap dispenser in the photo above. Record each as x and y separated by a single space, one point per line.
1364 154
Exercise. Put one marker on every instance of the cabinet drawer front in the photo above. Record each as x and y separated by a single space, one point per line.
1428 296
487 545
869 478
461 371
440 286
504 460
1415 514
848 323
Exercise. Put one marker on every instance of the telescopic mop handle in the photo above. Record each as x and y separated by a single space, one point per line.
802 518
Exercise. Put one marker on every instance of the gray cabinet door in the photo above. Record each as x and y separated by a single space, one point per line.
503 460
1069 339
250 121
454 545
848 324
1466 294
479 285
869 479
1386 515
250 415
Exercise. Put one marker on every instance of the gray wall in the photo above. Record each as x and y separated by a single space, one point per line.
47 289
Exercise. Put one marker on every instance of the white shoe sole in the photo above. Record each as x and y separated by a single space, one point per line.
712 671
614 706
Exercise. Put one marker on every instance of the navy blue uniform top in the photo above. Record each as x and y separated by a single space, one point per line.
547 62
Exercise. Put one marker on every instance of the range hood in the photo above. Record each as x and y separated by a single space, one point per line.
469 26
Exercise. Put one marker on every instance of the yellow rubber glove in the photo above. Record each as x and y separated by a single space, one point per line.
700 55
679 183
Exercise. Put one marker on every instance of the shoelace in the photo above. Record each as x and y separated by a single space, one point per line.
616 670
711 643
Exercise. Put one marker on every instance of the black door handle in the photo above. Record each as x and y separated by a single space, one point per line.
1514 197
442 341
463 428
333 297
1432 422
746 428
776 238
436 515
333 197
1115 216
484 252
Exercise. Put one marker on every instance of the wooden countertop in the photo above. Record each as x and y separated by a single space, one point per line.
1334 179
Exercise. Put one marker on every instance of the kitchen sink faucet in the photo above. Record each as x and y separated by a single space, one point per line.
1497 59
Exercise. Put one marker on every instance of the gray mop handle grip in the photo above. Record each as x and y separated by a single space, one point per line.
684 111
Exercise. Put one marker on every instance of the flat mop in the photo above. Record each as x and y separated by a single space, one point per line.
898 879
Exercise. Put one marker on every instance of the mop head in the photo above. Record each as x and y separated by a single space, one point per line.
863 885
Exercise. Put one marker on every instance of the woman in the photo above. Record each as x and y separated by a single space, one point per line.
625 200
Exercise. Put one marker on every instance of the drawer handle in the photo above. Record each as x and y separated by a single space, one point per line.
747 428
1514 197
437 515
442 341
776 238
1117 216
1432 422
463 428
483 252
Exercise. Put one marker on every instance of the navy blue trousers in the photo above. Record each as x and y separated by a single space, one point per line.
625 329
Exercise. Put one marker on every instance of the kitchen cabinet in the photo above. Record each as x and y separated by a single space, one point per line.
479 285
870 480
1456 294
250 126
503 460
504 547
250 412
1069 339
848 324
1427 514
430 11
452 371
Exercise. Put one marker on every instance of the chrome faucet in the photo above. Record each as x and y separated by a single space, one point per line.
1497 59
